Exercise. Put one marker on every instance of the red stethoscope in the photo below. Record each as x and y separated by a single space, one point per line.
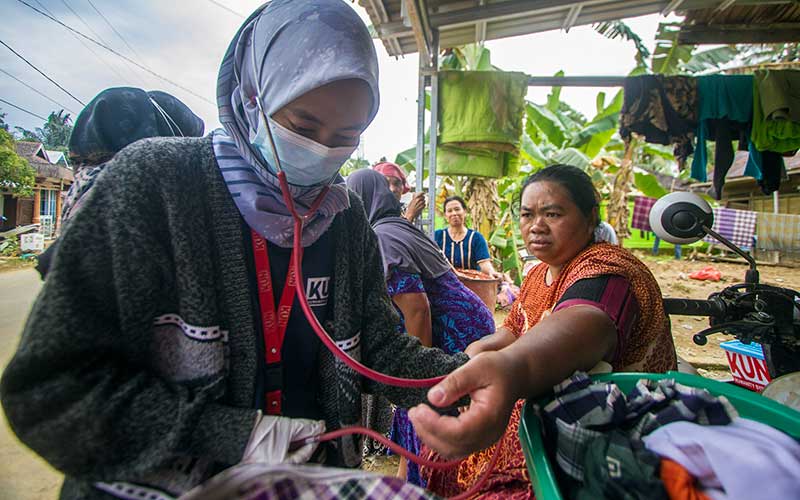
297 258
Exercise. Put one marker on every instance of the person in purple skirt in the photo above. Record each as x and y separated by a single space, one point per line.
433 304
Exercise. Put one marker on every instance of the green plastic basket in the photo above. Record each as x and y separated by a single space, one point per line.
749 405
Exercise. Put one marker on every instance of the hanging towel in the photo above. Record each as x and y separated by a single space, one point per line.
484 108
663 109
641 212
778 232
739 226
776 110
726 114
743 460
723 132
773 169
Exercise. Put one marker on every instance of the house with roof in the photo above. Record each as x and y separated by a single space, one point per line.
53 179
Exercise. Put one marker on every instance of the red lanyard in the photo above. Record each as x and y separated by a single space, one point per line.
273 323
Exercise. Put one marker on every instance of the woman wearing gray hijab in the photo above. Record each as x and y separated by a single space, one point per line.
433 304
166 344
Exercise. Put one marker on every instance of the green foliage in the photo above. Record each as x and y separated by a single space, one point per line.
546 123
648 184
618 29
571 156
596 134
353 164
769 53
472 57
9 247
530 152
15 173
3 124
54 134
668 56
711 59
506 238
407 159
373 33
554 97
27 135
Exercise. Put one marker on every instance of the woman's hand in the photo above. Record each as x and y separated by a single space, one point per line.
500 339
499 276
272 438
476 348
572 339
417 315
415 207
488 380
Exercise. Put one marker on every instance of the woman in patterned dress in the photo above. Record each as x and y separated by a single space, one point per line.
587 303
434 305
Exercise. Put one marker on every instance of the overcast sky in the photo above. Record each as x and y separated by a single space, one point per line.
184 41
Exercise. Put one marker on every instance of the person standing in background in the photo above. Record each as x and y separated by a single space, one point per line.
434 305
465 248
398 185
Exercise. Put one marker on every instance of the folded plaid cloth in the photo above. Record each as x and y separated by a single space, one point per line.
739 226
641 212
778 232
582 411
285 482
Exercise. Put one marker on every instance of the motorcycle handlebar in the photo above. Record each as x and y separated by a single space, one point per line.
692 307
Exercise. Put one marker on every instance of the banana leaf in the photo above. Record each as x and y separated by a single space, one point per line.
648 184
547 122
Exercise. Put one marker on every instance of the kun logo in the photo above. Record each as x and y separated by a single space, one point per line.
317 291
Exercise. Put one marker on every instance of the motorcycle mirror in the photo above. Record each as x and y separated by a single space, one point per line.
679 218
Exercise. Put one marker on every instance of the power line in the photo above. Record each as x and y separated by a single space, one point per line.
41 72
23 110
33 89
115 31
225 7
95 33
123 56
81 19
87 47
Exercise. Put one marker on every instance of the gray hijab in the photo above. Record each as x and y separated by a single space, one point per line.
298 46
402 245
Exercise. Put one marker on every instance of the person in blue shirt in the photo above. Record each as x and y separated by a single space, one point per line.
465 248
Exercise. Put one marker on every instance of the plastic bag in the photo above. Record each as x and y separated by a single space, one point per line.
708 273
507 295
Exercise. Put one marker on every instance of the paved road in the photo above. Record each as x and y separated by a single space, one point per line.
23 475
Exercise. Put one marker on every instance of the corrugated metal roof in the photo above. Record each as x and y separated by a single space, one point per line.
742 21
765 12
460 22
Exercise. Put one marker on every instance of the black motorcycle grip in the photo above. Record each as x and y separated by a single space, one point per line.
693 307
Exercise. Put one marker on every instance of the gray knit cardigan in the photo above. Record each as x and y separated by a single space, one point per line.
136 372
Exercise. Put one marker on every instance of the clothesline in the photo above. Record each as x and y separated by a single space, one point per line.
745 228
577 81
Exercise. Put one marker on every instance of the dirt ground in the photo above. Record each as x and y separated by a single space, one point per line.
8 264
672 276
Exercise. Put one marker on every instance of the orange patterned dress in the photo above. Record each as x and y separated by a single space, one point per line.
648 348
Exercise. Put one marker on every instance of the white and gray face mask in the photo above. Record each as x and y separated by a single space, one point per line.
304 161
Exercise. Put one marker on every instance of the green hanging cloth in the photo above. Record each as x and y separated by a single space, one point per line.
776 110
482 109
453 160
